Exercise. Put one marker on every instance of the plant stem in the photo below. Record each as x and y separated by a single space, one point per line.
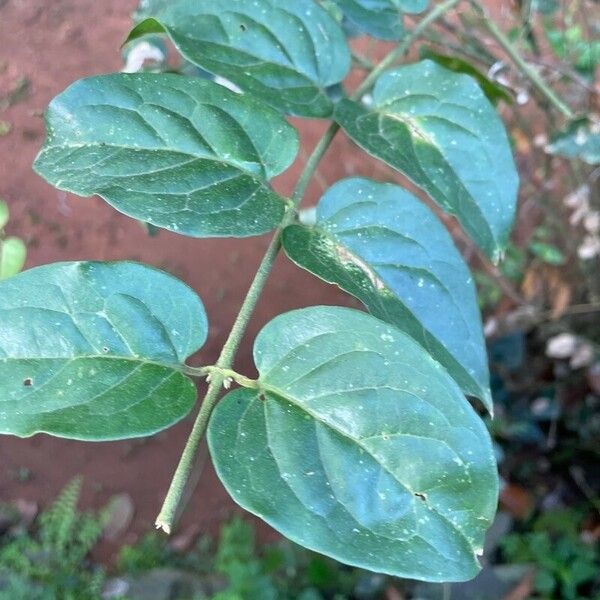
222 368
219 374
210 371
362 61
439 11
527 70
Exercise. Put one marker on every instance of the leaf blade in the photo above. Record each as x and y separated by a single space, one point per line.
382 19
437 128
385 247
179 153
285 53
579 139
358 485
90 351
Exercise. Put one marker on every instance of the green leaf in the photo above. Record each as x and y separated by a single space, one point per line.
382 245
13 254
4 214
360 446
93 351
382 19
180 153
286 53
546 7
580 139
495 92
548 253
438 128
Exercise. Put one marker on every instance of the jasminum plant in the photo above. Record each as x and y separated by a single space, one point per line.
359 438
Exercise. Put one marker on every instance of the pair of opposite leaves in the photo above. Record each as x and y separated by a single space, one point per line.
357 443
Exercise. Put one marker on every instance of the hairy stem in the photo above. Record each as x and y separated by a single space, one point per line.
222 369
530 72
219 374
213 370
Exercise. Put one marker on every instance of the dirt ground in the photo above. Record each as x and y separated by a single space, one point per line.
47 44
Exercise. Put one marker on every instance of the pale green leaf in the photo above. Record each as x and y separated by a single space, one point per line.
382 19
13 254
438 128
93 351
286 53
360 446
4 214
381 244
180 153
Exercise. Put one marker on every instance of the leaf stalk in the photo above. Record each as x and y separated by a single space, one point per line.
530 72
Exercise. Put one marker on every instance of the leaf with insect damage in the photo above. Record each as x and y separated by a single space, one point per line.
93 351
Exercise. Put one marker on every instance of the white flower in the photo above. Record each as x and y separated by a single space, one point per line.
590 248
562 346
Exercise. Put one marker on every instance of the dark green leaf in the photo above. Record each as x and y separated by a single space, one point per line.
381 244
286 53
93 351
439 129
382 19
581 139
360 446
179 153
495 92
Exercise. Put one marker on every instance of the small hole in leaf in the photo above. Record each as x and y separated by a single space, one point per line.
28 382
421 496
105 350
243 27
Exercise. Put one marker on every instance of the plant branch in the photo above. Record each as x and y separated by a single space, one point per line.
530 72
439 11
222 369
362 61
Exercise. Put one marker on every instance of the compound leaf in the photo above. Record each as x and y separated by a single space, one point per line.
286 53
93 351
382 245
360 446
382 19
180 153
438 128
